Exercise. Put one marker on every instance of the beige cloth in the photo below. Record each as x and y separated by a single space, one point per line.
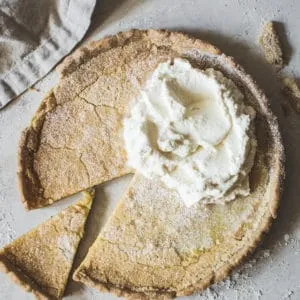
34 36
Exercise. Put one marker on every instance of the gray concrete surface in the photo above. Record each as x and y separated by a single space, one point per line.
273 272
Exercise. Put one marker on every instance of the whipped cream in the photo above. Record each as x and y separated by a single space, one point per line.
191 129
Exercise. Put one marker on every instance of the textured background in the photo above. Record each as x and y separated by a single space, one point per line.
273 272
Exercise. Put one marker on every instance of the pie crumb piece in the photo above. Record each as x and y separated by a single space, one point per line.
269 41
292 90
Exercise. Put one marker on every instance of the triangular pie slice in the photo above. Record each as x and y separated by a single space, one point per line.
40 261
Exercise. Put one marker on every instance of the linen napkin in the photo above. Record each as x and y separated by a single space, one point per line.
34 36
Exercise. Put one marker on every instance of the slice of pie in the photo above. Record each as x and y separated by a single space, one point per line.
40 261
152 246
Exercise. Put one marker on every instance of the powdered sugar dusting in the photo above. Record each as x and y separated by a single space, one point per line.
158 222
7 233
66 246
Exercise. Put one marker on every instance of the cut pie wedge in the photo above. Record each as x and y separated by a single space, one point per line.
152 245
40 261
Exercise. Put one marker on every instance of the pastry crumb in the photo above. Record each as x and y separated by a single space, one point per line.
286 237
34 89
269 41
292 90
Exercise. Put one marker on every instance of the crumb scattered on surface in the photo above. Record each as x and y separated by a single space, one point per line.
240 281
289 295
33 89
269 41
292 90
266 253
286 237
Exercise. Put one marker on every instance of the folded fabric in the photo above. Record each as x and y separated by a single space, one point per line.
34 37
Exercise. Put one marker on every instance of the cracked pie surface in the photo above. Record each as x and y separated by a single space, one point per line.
75 138
152 246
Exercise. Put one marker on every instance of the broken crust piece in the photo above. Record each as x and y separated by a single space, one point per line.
40 261
269 40
292 90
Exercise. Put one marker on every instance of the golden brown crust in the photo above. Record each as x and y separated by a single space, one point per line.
122 292
92 49
28 189
19 277
278 174
28 181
